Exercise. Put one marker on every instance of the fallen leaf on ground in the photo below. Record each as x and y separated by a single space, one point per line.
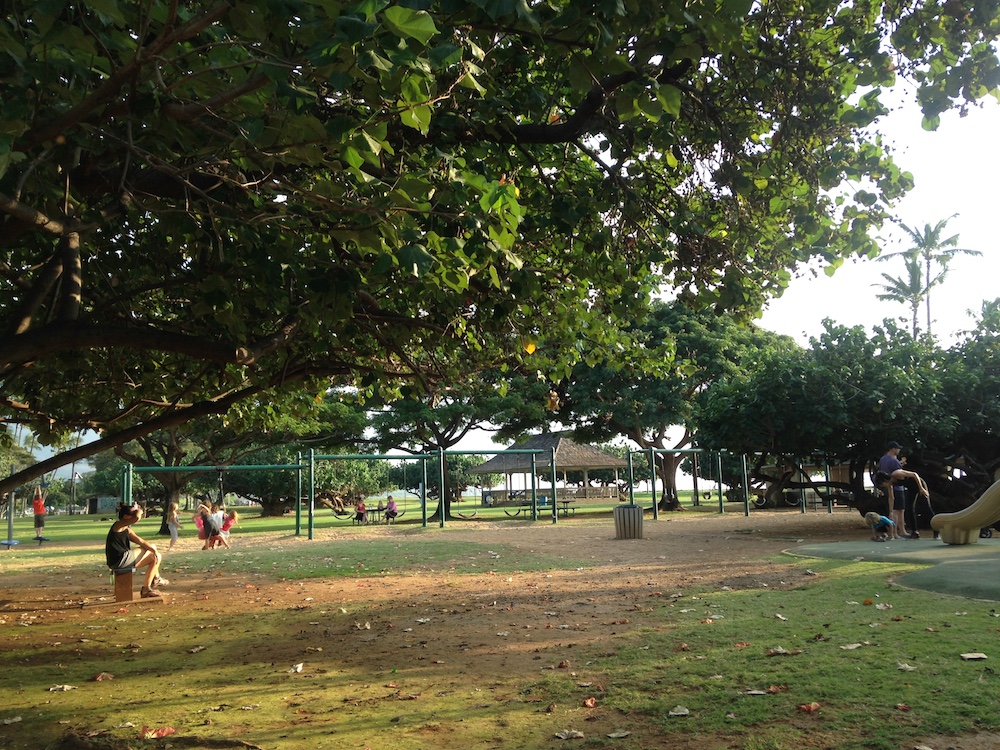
904 667
103 676
809 708
620 734
589 702
902 707
679 711
61 688
569 734
148 734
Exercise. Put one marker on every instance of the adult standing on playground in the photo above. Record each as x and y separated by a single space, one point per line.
891 465
120 553
38 508
895 494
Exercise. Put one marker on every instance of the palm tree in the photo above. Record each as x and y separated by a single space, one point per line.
908 290
930 249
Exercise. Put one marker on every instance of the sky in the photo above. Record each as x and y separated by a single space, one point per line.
955 169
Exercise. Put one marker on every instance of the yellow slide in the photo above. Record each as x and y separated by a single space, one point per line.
963 526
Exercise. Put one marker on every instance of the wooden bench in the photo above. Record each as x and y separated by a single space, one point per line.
124 584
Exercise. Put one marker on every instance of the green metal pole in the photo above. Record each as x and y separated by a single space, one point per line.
722 501
312 493
442 470
423 492
534 493
298 494
746 486
631 481
552 475
829 495
652 481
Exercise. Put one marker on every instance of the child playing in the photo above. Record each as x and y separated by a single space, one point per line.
230 519
173 525
209 522
881 526
38 509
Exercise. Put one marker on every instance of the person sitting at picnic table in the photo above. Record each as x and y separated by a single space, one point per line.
391 510
120 553
360 512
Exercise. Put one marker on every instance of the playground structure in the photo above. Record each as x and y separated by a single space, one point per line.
964 526
541 464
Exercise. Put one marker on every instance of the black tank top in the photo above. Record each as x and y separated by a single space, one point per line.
116 546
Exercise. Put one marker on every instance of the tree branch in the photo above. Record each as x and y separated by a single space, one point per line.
218 405
59 338
72 277
113 85
17 210
188 112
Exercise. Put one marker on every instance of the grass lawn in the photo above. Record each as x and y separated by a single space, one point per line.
510 635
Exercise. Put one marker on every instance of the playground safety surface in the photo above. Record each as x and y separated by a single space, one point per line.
969 570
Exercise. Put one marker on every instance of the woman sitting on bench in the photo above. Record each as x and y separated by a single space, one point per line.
121 554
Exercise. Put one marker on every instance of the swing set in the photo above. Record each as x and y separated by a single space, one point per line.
305 464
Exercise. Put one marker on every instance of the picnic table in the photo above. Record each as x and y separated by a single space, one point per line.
565 506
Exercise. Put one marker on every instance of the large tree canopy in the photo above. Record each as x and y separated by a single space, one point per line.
204 201
852 391
603 402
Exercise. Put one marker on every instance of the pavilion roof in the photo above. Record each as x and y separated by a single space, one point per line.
569 456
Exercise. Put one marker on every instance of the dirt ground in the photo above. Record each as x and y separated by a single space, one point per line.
615 578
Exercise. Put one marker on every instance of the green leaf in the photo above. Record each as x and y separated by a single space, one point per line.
414 259
670 97
405 22
468 81
418 118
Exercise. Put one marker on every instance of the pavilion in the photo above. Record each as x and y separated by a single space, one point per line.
569 456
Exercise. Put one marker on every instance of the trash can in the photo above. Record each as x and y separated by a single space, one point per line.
628 521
